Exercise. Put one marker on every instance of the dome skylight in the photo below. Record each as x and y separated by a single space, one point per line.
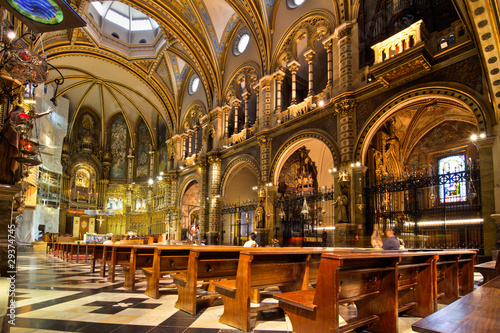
115 16
193 84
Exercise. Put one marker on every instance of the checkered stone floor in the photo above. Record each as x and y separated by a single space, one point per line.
55 296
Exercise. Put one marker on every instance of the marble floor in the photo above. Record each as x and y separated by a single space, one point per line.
56 296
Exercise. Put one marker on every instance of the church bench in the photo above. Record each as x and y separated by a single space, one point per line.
466 271
287 268
367 279
97 253
447 276
120 255
488 270
475 312
206 264
416 273
166 259
140 257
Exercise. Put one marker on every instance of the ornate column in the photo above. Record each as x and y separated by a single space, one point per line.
190 142
347 44
183 146
236 106
246 97
345 110
167 201
278 76
214 195
256 90
310 55
174 220
294 66
227 109
328 46
265 156
266 89
203 168
196 129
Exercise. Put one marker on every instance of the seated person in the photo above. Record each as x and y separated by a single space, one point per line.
392 241
251 242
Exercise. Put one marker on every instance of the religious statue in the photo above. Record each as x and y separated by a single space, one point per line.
259 221
341 209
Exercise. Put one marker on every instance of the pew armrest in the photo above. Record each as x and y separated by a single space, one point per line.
226 288
303 299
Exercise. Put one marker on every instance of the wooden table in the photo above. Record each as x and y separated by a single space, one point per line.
478 311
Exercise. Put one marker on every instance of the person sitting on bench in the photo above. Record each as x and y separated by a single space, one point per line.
392 241
251 242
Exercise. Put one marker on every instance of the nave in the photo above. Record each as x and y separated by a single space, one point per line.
56 296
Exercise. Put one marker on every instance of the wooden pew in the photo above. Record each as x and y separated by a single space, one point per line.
141 256
287 268
466 271
447 276
489 270
367 279
475 312
206 264
416 272
120 255
167 259
97 253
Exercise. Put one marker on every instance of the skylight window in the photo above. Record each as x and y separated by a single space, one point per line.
98 7
193 85
141 25
294 3
118 19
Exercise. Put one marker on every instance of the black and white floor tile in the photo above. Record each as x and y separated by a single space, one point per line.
55 296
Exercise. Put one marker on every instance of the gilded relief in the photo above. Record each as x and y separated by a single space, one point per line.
118 147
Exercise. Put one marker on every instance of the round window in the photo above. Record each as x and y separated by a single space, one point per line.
193 85
241 42
294 3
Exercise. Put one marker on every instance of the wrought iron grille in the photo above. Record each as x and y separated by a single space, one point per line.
426 216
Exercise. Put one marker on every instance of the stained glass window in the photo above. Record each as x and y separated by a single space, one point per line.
453 190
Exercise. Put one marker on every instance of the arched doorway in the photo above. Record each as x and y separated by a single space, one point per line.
190 211
423 174
305 199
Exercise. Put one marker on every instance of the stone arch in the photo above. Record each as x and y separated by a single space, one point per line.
234 166
315 24
186 182
295 142
460 95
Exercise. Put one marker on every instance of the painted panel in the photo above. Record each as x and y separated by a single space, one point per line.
142 150
162 146
118 147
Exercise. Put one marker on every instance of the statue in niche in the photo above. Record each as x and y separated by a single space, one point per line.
341 209
260 213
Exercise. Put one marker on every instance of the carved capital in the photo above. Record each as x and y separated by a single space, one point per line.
214 159
294 66
264 140
345 107
310 55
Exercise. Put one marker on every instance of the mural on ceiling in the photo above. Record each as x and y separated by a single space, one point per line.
118 147
162 146
87 129
142 150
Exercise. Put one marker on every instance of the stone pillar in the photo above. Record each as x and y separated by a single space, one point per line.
328 46
487 194
310 55
174 220
167 201
278 76
183 145
294 66
196 129
266 89
236 106
203 168
227 109
345 110
256 90
246 97
190 139
214 196
265 156
346 36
